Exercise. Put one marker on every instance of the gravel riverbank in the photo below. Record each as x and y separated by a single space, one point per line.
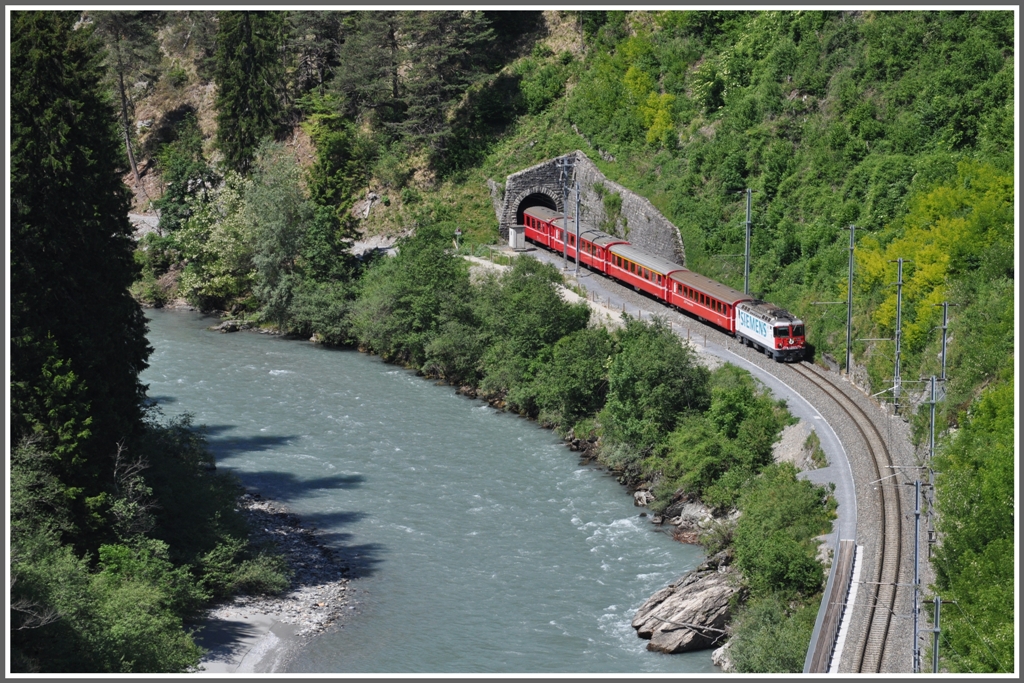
257 633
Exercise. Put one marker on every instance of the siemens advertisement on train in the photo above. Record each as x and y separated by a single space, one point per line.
756 327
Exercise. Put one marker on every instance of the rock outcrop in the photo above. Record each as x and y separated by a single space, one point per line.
230 326
690 614
721 657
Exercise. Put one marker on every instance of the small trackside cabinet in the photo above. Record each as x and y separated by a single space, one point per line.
517 237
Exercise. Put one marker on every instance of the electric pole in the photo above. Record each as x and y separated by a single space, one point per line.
945 327
896 380
565 168
849 304
917 577
577 228
746 252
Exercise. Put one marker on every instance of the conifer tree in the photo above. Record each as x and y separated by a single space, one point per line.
370 55
446 52
130 37
78 339
248 75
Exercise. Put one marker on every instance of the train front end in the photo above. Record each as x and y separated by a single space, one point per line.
771 329
789 338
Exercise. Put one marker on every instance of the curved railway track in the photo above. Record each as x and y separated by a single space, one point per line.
881 582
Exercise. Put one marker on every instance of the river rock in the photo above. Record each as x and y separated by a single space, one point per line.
643 498
689 614
721 658
230 326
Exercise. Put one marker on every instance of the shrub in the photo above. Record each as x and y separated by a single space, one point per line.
771 635
652 381
573 384
775 545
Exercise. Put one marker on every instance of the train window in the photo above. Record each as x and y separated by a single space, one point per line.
798 330
781 331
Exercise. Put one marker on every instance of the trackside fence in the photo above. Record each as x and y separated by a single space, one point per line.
830 614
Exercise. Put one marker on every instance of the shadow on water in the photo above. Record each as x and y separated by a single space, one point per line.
359 560
232 445
160 400
286 486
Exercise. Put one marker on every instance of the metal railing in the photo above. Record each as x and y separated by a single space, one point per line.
830 614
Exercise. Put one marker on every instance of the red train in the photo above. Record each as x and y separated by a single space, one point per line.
759 324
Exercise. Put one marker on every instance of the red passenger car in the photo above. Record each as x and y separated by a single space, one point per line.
645 272
708 300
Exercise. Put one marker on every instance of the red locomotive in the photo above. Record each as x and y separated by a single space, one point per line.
759 324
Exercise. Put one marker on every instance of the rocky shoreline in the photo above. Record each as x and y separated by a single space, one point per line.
318 594
315 600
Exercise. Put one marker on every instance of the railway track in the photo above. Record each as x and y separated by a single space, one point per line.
883 578
877 596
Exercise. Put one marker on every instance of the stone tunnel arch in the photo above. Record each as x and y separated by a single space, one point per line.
534 197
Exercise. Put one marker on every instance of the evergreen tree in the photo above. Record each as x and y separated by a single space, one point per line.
78 339
248 75
314 41
370 56
130 38
446 52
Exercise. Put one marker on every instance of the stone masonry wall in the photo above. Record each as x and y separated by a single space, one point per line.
638 221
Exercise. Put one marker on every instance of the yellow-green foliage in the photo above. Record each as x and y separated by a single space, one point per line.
946 230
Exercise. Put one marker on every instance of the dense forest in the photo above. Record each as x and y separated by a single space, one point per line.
265 129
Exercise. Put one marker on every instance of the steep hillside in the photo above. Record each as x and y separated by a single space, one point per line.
899 123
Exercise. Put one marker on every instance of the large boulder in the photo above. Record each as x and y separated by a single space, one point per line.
690 614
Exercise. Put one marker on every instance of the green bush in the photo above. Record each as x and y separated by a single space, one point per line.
975 562
404 302
652 380
177 76
265 574
774 538
771 635
573 384
523 316
713 454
